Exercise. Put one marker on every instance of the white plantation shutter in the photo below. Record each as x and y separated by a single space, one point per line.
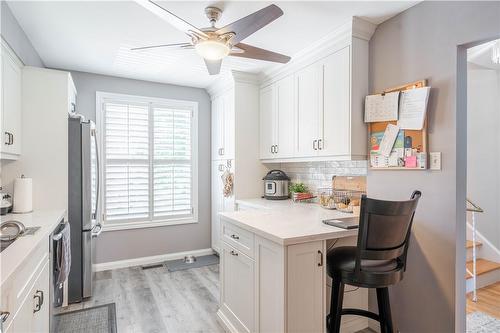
148 167
172 161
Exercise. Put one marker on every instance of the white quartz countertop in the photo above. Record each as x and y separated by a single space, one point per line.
13 256
286 222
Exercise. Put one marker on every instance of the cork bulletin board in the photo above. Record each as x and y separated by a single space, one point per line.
416 139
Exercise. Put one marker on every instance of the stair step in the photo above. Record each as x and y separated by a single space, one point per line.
483 266
470 243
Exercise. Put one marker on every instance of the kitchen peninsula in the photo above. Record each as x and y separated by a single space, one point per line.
273 267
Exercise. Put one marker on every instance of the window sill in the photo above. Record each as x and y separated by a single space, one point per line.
146 224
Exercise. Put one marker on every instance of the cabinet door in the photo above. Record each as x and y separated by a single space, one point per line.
217 203
285 117
308 86
42 303
335 138
228 124
217 128
11 104
305 287
238 290
267 122
33 314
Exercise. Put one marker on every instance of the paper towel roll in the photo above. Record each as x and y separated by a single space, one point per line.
23 195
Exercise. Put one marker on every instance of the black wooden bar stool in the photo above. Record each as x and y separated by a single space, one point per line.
378 261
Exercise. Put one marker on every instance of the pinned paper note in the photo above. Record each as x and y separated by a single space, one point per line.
390 134
413 108
383 107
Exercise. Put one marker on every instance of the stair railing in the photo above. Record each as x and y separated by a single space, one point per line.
473 208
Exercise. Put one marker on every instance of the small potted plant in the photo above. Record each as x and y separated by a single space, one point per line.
299 192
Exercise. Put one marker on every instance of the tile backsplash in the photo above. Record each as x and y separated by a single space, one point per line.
319 174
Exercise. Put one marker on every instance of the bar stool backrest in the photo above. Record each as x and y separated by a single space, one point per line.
384 229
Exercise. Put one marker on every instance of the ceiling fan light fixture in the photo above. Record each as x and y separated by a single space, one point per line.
212 49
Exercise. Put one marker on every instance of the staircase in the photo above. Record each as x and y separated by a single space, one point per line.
487 255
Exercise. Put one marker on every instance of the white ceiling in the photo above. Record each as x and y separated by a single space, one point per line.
96 36
481 55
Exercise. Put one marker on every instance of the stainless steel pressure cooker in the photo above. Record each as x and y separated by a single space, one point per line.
276 185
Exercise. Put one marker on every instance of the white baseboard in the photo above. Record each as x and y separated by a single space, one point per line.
149 260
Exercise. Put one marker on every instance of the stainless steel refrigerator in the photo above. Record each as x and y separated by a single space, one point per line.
83 205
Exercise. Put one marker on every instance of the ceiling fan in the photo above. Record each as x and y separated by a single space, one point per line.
212 43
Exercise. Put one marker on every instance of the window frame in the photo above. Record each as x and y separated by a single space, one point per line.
152 221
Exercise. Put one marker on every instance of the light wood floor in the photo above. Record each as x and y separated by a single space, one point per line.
156 301
488 300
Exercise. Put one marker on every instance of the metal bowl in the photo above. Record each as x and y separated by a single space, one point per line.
10 230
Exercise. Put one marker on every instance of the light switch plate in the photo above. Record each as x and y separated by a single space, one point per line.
435 160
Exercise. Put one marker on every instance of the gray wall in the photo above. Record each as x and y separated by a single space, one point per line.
17 39
421 43
127 244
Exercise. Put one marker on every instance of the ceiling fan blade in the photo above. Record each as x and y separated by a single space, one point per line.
171 18
253 52
248 25
213 66
177 45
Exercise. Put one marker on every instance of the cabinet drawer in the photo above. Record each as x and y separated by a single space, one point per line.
238 238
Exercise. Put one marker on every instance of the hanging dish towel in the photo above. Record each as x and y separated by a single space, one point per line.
63 253
227 180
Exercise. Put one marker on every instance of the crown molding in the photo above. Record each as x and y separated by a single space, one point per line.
341 37
228 81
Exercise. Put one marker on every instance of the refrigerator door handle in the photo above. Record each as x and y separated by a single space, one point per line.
98 175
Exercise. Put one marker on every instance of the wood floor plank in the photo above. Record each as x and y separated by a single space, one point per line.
488 301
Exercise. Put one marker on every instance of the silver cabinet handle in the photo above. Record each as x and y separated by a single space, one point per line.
221 167
320 144
314 144
272 149
276 149
39 301
234 253
222 151
320 254
4 315
233 236
7 138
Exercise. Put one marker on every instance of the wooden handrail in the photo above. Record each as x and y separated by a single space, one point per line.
475 208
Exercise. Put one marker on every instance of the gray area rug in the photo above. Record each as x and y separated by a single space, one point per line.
480 322
97 319
179 265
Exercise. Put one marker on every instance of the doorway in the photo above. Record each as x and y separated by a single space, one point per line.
483 187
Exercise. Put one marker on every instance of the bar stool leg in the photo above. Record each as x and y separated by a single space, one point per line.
387 310
381 310
336 305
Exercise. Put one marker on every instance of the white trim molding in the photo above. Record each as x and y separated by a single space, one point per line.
149 260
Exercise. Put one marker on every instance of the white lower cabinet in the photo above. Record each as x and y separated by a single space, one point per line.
237 300
274 288
33 314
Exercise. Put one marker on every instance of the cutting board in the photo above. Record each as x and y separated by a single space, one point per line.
353 183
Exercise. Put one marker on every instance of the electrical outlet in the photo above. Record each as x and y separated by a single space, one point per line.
435 160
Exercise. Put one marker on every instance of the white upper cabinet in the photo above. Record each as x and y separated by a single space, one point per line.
277 111
334 138
308 90
285 117
10 115
317 105
267 122
223 126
